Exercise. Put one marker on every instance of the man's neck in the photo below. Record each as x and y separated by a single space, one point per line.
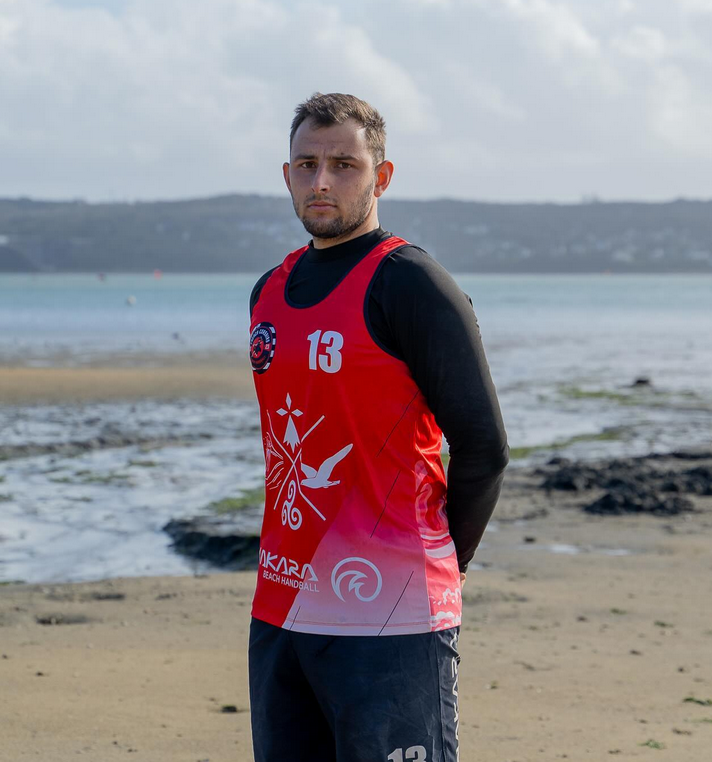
366 227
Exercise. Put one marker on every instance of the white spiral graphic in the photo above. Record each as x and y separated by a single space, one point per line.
290 513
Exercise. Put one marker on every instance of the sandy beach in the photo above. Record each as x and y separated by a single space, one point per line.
116 377
564 656
584 637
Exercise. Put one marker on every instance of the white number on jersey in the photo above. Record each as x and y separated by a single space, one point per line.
412 754
329 358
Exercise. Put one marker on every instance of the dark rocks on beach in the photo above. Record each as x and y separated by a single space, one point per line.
571 477
628 501
697 454
697 481
215 540
104 596
633 485
63 619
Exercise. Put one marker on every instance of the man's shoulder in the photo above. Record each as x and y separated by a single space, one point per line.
412 269
415 259
411 252
257 288
264 278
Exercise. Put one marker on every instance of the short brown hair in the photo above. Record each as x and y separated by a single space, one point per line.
336 108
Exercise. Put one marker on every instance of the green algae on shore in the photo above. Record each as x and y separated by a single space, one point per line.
607 435
249 499
694 700
577 393
653 744
90 477
518 453
644 396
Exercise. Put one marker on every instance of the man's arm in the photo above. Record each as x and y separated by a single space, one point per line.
420 314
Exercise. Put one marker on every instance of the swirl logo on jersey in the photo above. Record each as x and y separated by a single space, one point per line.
371 578
262 343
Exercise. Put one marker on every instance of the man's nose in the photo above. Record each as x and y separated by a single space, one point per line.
320 181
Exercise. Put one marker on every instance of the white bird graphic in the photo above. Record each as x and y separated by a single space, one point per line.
316 479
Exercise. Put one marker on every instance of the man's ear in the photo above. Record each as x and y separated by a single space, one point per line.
285 172
384 173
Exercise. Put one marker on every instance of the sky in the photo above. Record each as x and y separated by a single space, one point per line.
492 100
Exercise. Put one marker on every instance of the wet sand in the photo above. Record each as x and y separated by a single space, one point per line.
197 376
564 656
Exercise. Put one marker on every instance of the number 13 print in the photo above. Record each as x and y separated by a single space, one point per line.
330 357
414 753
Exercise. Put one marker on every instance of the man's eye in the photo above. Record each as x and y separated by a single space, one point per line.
343 165
308 164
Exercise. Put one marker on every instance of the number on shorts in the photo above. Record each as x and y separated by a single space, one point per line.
412 754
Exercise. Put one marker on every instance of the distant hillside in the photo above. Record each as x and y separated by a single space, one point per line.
252 233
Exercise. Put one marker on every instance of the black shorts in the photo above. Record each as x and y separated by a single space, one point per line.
344 698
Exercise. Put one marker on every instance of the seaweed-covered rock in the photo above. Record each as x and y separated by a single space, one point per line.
214 539
699 480
614 474
633 485
629 501
696 454
571 477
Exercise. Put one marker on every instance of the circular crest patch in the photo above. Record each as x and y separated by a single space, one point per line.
262 343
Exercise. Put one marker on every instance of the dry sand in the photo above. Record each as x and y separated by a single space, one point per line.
573 657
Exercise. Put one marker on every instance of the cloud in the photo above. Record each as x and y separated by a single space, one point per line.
432 3
346 53
644 43
500 99
173 97
557 27
697 6
683 119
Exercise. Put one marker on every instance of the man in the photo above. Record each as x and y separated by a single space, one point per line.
364 353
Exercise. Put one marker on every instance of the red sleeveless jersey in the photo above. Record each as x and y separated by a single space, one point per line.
355 537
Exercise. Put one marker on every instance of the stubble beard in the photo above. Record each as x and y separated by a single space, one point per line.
340 225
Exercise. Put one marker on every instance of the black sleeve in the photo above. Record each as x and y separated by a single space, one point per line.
419 313
257 289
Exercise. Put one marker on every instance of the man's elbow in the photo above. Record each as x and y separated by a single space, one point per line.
503 460
494 459
479 463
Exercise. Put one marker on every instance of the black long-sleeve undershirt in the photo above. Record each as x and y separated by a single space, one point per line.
419 314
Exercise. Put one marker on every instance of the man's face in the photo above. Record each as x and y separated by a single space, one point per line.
331 177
